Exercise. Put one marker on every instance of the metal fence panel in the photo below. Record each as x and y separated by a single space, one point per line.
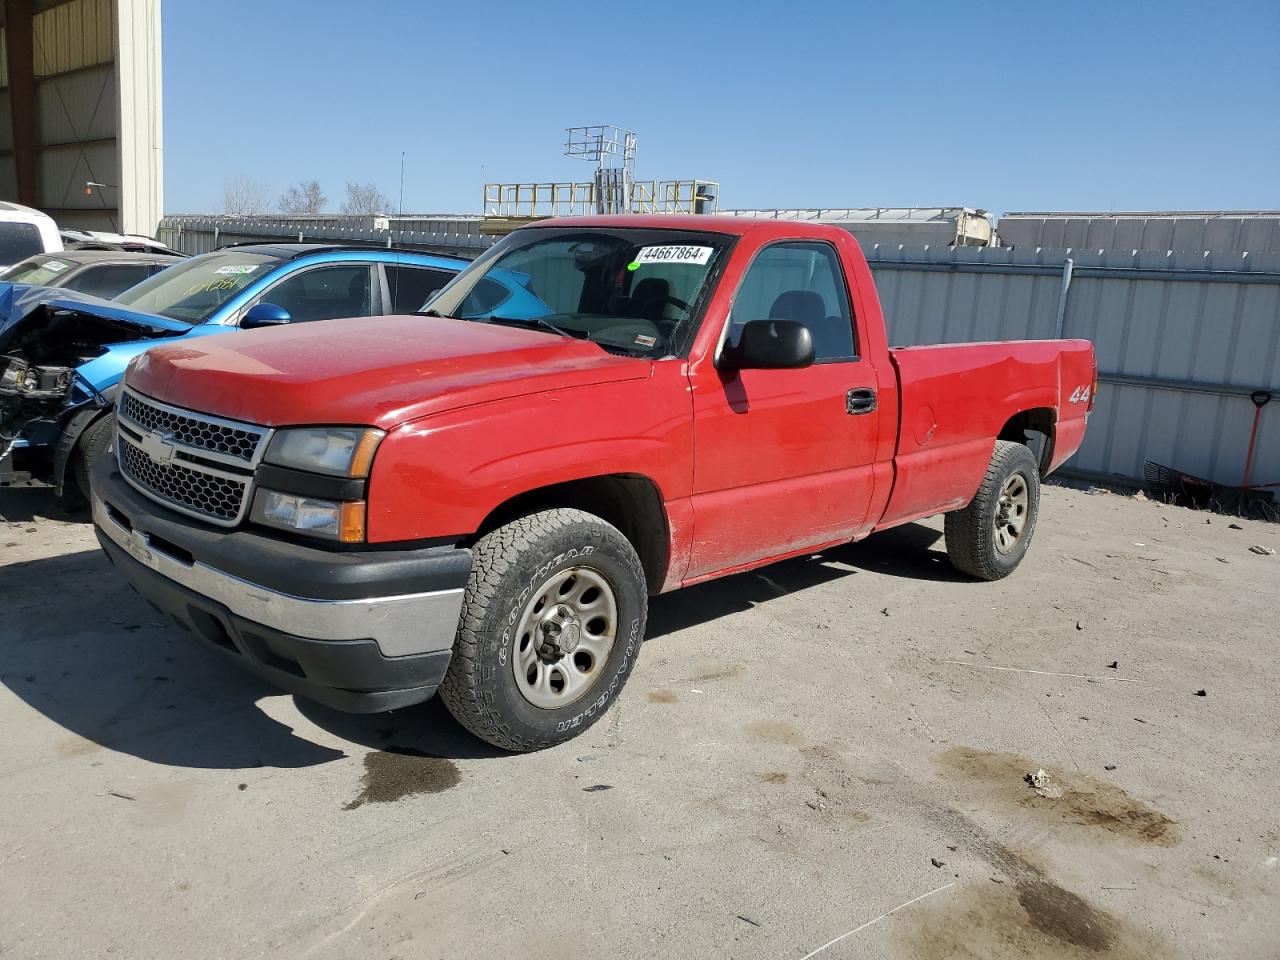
1256 232
1181 340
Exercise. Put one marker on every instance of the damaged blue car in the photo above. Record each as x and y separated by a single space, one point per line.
62 354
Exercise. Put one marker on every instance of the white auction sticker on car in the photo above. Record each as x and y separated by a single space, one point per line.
672 253
238 268
57 266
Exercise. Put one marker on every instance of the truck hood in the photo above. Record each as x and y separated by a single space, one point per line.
24 307
376 371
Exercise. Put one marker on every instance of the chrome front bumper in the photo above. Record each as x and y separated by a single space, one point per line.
401 625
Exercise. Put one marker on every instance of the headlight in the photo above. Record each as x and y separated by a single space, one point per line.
13 374
337 451
341 521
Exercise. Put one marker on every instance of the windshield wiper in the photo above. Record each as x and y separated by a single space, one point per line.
538 321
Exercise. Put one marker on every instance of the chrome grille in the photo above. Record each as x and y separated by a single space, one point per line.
215 496
194 463
238 441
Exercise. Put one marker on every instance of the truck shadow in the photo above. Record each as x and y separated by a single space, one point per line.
23 504
900 552
80 647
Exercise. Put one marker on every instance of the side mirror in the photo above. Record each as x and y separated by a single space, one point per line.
264 315
769 345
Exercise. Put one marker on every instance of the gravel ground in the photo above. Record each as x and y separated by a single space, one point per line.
800 751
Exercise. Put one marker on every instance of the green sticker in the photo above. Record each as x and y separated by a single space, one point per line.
633 266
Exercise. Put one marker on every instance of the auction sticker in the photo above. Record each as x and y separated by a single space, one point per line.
238 268
672 253
57 266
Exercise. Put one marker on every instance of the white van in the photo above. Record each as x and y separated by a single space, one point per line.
25 232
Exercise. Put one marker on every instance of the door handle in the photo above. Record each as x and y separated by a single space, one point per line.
859 401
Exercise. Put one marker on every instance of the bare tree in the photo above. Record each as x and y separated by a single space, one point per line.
241 195
365 198
304 199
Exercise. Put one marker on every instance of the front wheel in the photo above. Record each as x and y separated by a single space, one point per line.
551 624
989 537
93 443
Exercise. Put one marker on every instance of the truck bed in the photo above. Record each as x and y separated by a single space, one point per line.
957 399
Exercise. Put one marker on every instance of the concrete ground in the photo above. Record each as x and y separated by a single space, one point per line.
799 752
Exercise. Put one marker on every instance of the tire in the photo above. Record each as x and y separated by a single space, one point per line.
979 545
94 442
525 575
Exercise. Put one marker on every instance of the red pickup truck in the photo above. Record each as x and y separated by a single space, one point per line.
481 497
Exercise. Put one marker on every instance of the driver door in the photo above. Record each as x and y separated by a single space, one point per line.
783 458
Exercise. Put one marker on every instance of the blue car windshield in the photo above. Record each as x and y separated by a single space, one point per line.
632 291
191 291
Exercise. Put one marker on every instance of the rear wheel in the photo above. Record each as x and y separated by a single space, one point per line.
94 442
989 537
551 624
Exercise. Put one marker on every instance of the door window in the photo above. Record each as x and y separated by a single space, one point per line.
410 286
108 279
324 293
798 281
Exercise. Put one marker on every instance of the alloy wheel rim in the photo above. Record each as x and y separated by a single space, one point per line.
566 632
1011 513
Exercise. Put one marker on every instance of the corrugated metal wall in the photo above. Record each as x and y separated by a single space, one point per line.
455 236
75 101
1255 232
1181 340
94 116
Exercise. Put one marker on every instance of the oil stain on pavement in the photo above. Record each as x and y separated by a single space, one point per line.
1018 912
1085 801
399 772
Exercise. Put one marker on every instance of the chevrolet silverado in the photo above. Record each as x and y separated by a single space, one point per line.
480 498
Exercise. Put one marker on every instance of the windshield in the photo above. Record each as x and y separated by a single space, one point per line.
192 290
631 291
39 271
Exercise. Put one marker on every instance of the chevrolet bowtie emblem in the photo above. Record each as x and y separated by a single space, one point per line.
158 446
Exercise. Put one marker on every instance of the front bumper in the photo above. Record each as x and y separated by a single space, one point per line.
360 631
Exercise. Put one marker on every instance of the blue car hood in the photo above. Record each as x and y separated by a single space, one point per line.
18 302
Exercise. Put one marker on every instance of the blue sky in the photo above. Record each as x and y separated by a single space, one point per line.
1002 105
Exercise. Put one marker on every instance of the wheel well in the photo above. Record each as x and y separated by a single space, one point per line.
1039 422
629 502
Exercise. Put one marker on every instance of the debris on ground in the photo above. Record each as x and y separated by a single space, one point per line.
1202 693
1234 526
1262 551
1140 496
122 796
597 787
1078 627
1109 766
1043 784
1113 665
1222 559
746 919
936 862
885 611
